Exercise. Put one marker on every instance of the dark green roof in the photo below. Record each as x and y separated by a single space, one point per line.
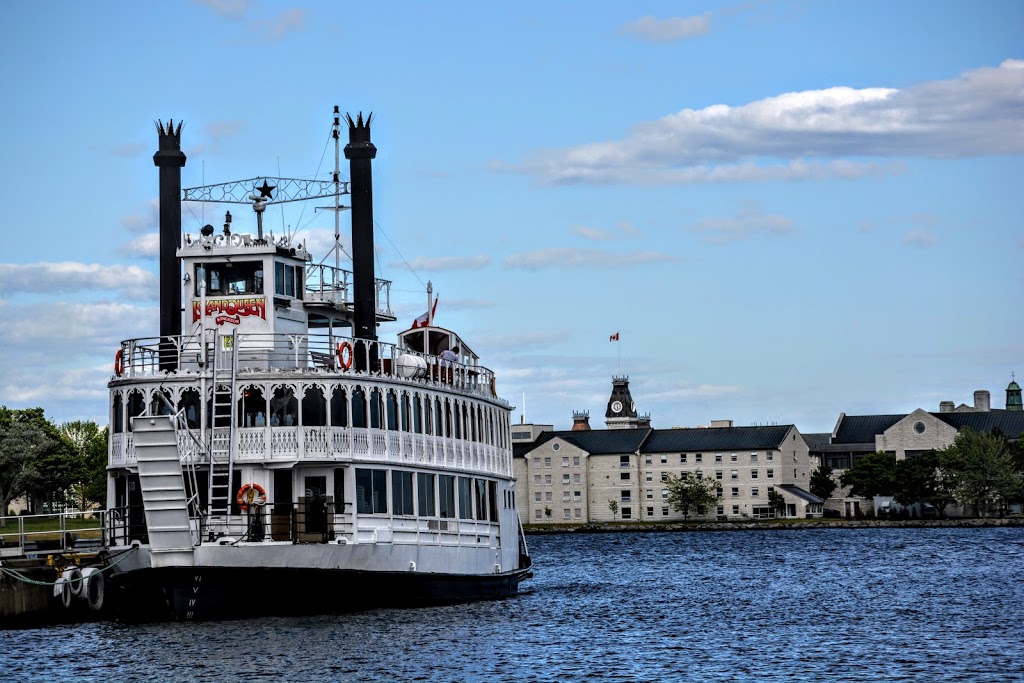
863 428
716 439
1009 422
594 441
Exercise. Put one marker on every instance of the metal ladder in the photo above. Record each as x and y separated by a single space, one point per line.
222 424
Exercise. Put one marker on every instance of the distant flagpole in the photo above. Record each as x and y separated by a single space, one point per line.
618 351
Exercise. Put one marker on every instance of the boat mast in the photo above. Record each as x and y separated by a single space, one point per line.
360 152
169 159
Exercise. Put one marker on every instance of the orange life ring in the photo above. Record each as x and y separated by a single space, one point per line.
251 494
345 355
119 362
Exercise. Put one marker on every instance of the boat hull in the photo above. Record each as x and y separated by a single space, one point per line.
204 593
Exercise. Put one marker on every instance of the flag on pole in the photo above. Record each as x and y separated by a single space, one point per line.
425 319
614 337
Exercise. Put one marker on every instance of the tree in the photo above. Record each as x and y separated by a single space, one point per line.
822 483
21 443
920 480
90 443
777 501
873 475
614 507
981 472
695 493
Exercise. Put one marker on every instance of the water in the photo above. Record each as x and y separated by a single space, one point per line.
810 605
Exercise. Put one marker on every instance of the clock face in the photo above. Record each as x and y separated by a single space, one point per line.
616 407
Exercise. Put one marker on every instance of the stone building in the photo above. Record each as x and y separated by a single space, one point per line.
620 473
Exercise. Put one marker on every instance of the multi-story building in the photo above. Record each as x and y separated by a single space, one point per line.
622 472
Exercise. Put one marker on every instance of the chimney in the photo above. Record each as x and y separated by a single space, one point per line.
580 421
169 159
360 153
946 406
982 401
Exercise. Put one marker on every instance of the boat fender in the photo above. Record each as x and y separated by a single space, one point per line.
74 578
62 591
251 494
345 355
95 588
119 362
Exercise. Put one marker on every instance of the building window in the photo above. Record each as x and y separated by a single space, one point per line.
734 474
735 492
547 478
623 461
565 461
624 496
755 492
575 461
718 474
664 476
720 510
578 513
547 462
769 455
565 496
536 462
536 479
718 457
565 478
576 495
753 457
627 513
664 459
650 476
565 513
650 512
556 446
648 459
547 496
732 457
576 478
753 474
536 514
718 492
682 458
664 494
624 476
536 496
650 494
919 427
698 458
735 509
664 512
770 474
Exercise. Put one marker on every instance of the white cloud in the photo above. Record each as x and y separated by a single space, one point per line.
650 28
144 246
229 9
145 218
57 278
920 238
594 234
62 329
783 137
748 222
443 263
582 258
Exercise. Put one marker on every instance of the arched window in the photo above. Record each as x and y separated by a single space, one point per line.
392 411
428 421
284 408
405 412
191 406
252 408
160 406
447 418
458 422
358 408
376 408
117 419
417 414
136 406
314 407
437 417
339 407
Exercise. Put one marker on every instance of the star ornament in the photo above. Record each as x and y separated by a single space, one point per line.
266 189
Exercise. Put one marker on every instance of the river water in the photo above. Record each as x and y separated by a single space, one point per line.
802 605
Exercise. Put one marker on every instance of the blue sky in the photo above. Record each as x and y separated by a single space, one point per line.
787 209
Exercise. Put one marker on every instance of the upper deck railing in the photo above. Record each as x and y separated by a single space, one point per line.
330 285
304 353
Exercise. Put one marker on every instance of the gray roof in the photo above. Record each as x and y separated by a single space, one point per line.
800 493
815 441
716 439
863 428
594 442
1009 422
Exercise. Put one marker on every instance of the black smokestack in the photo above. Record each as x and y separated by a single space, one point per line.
360 153
170 160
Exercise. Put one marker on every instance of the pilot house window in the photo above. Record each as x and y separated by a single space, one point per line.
288 280
233 277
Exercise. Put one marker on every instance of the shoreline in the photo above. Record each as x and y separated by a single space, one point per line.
617 527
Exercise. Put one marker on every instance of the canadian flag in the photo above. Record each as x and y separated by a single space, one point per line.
424 319
614 337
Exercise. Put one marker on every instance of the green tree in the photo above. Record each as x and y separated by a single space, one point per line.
873 475
777 501
919 480
686 493
90 443
822 483
614 507
981 472
21 443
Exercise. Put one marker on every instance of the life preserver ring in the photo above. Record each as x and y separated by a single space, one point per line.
251 494
119 362
345 355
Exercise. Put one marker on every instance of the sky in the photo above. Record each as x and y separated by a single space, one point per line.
786 210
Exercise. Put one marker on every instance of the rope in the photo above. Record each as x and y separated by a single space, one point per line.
13 573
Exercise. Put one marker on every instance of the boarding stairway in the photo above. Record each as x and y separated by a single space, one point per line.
165 500
222 425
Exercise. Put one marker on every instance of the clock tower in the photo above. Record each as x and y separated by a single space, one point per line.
621 412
